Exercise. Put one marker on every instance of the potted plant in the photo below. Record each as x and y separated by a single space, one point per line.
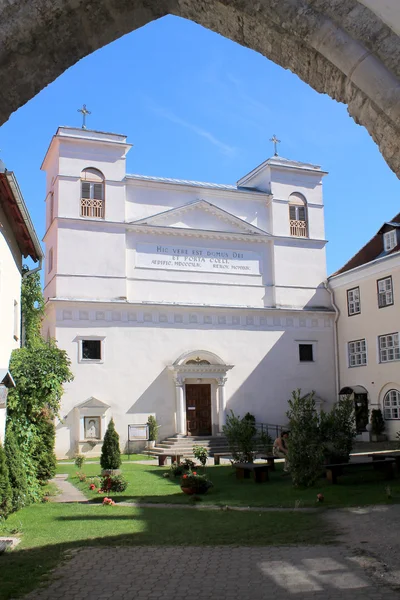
378 426
193 483
152 424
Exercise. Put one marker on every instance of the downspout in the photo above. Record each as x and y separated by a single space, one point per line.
35 270
335 336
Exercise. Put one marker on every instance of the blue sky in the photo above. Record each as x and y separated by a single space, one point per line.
198 106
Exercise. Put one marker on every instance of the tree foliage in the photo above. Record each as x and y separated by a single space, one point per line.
16 471
39 370
241 436
5 487
110 453
305 452
338 431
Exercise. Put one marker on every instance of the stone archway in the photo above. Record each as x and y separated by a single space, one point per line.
343 48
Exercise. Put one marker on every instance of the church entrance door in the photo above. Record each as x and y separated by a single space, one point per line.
198 409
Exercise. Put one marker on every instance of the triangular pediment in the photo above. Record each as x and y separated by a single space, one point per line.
201 215
93 403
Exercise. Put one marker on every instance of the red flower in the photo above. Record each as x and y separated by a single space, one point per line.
194 473
185 476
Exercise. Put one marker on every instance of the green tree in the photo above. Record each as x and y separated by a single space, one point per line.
305 451
241 436
110 453
40 370
16 471
338 431
5 487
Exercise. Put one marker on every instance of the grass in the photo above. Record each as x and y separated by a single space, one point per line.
147 484
124 458
48 531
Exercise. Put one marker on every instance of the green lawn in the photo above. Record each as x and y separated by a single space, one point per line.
147 484
124 458
49 530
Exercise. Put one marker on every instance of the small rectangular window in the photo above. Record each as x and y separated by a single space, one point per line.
353 301
91 349
389 347
357 351
389 240
385 292
306 353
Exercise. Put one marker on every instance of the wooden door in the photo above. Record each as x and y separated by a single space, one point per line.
198 409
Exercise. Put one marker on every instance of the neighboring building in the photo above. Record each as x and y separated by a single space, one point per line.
182 299
367 295
17 239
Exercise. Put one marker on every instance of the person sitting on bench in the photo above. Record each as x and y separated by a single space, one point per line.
280 449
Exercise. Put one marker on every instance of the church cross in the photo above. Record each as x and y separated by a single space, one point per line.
275 141
84 112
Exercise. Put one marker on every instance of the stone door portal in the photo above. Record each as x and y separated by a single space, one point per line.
198 409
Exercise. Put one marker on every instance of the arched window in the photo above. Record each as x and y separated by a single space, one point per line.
92 193
391 405
298 215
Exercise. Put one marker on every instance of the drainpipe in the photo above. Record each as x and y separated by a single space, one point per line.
335 336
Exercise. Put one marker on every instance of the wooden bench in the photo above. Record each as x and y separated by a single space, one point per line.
270 458
395 456
260 472
162 459
217 457
386 465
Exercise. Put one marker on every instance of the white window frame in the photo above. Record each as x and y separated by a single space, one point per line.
389 240
91 338
357 353
391 405
312 343
352 303
385 292
389 343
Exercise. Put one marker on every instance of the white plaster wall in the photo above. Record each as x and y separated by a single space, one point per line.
376 377
135 381
10 289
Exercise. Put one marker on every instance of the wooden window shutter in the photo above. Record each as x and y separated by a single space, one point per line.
85 189
98 191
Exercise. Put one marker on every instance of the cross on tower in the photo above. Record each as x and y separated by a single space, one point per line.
275 141
84 112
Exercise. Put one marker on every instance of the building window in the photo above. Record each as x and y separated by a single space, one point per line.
51 207
391 405
353 301
92 194
385 292
306 353
50 261
389 347
389 240
357 353
91 350
298 215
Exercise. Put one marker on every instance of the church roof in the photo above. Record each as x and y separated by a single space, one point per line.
279 161
188 182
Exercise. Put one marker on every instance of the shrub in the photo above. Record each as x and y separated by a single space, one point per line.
337 431
305 452
201 453
153 427
5 487
110 454
377 421
81 476
16 471
79 460
241 437
43 455
113 483
186 465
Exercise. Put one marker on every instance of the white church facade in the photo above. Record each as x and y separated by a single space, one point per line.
182 299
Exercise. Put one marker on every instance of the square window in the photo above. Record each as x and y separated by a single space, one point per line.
389 240
357 352
306 353
385 292
91 349
389 347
